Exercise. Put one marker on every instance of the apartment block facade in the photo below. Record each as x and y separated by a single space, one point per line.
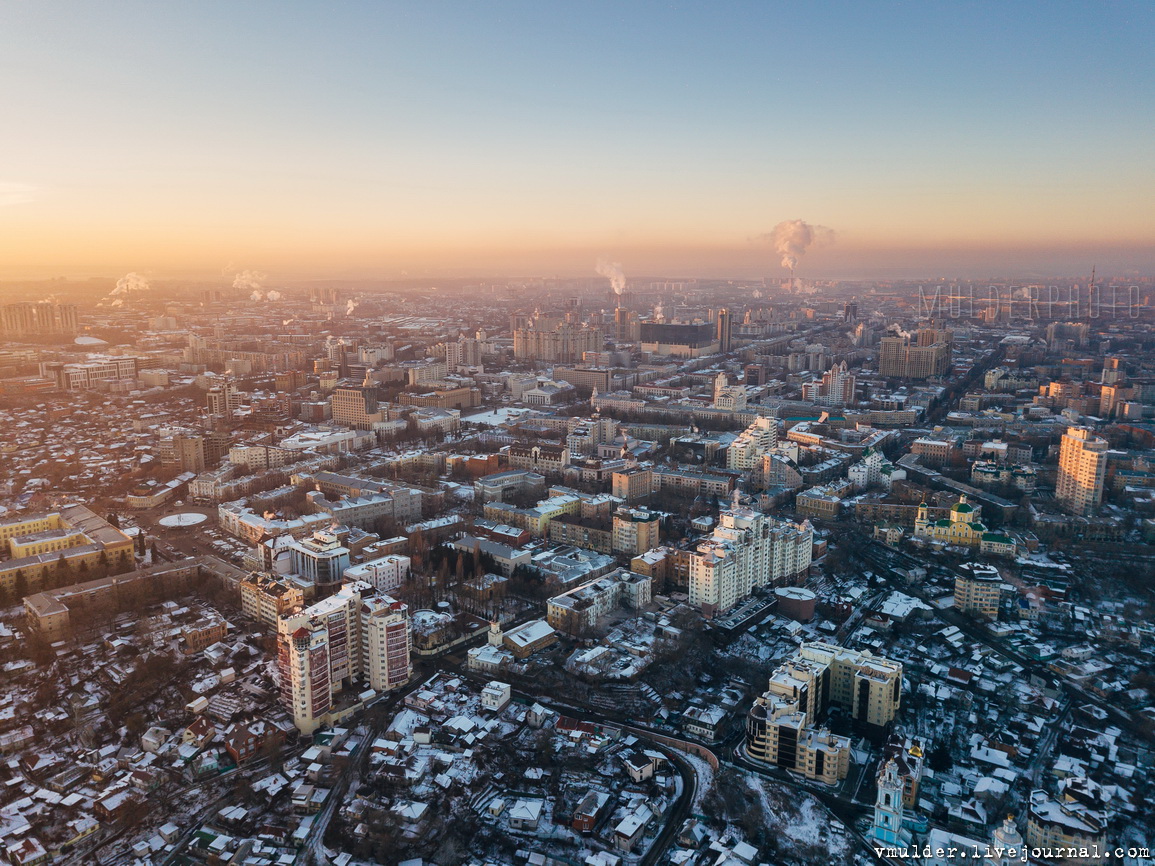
747 550
358 638
1082 470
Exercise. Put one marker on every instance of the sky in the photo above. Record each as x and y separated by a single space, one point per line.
385 139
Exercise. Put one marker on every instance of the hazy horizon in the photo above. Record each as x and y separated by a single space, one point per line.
670 264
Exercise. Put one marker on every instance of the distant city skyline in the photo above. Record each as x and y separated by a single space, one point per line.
382 140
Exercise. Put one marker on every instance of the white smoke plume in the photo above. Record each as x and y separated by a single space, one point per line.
613 272
350 307
249 280
272 295
130 283
127 285
258 295
792 238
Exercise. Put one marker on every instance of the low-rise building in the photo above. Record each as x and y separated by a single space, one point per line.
34 549
544 459
527 638
500 486
587 533
1065 824
203 633
693 482
579 609
387 573
705 723
496 696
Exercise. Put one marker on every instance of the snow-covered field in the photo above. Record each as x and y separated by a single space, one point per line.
802 819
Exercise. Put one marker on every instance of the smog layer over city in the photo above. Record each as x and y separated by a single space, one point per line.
577 434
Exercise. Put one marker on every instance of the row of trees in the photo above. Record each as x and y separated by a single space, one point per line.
61 573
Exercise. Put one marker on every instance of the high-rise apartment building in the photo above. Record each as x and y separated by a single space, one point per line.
926 355
462 353
836 388
781 726
747 550
1082 470
867 686
1067 335
354 639
45 317
626 328
978 590
561 343
193 450
1113 371
223 399
778 732
1111 396
759 438
634 484
267 598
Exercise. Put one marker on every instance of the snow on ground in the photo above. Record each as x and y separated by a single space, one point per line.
705 776
808 826
1041 560
800 817
405 721
500 416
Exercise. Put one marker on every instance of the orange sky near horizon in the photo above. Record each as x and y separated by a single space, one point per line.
379 138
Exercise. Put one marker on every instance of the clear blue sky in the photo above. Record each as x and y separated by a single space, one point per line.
380 136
